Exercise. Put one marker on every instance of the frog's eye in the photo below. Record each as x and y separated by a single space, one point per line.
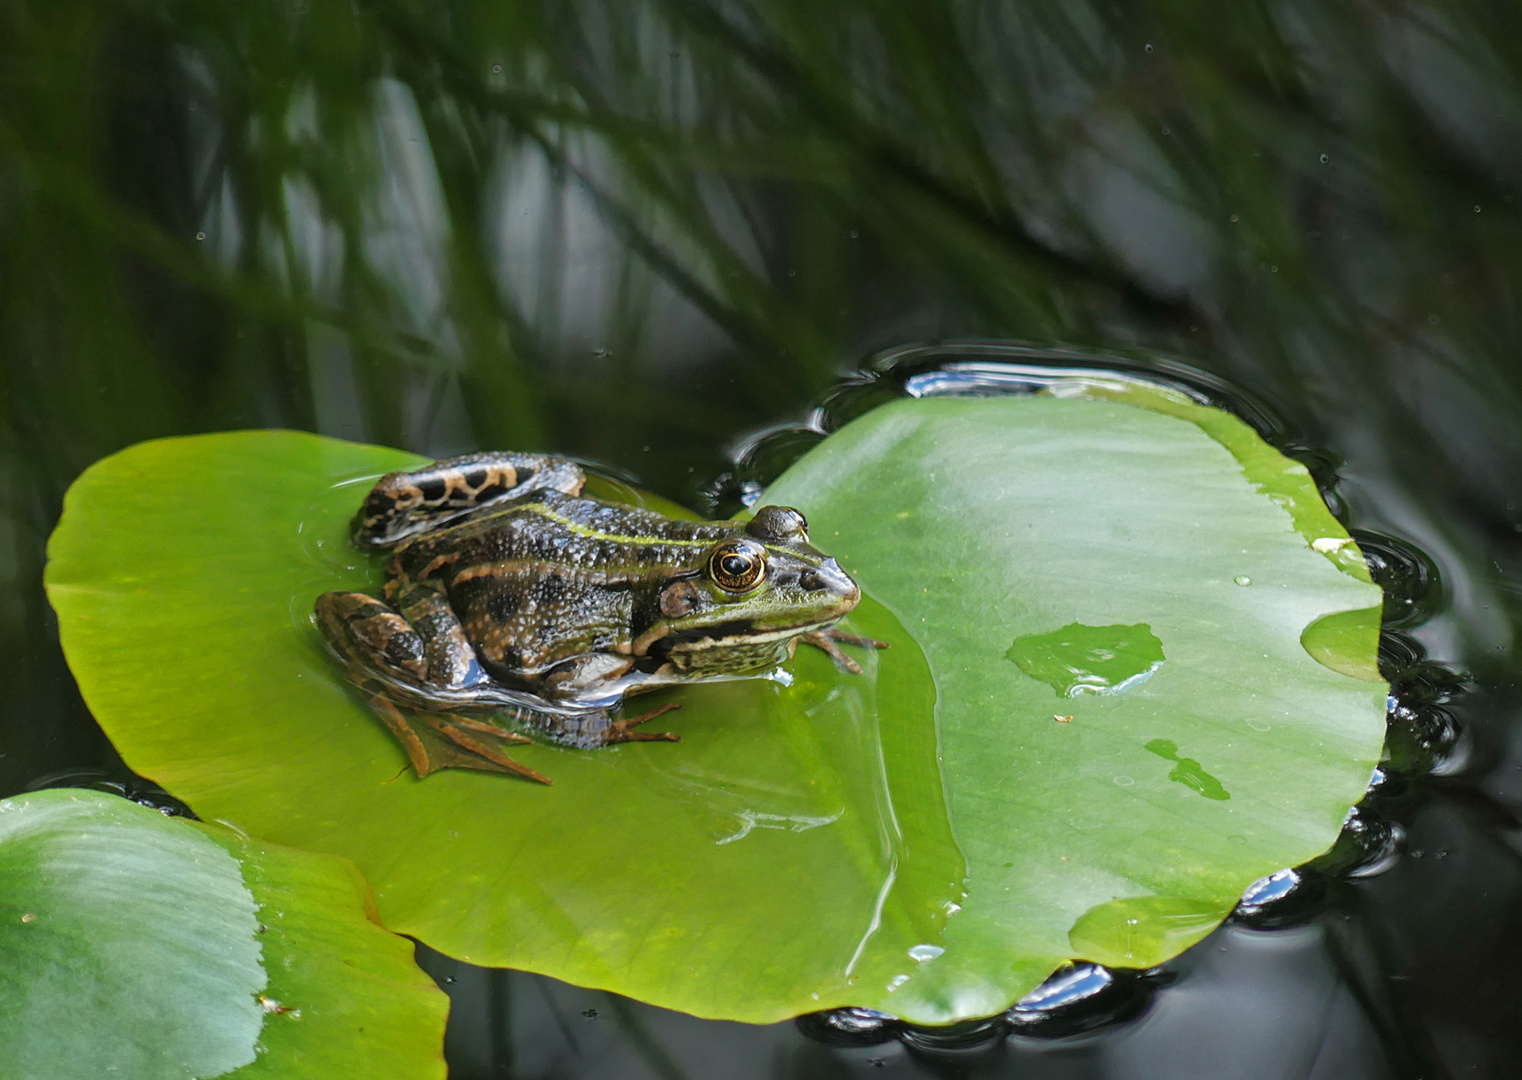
779 523
736 565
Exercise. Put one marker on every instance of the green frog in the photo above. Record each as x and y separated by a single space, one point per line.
508 591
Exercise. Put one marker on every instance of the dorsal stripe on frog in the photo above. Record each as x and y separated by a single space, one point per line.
510 567
580 529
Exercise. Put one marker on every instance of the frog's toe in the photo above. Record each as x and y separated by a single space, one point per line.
619 731
644 736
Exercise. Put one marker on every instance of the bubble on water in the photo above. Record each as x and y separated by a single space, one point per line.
1124 781
1325 158
925 953
1242 579
1146 48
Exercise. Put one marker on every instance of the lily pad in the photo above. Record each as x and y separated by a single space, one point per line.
741 873
1090 537
135 945
929 839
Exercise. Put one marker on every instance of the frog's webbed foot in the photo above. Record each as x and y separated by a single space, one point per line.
479 753
619 730
403 504
830 640
436 741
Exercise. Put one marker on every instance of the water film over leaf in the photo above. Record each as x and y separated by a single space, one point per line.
928 839
138 946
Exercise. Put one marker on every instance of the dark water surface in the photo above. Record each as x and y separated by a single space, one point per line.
643 233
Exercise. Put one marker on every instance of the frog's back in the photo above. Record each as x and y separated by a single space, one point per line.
552 576
579 533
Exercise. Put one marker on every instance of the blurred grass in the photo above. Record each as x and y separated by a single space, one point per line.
636 232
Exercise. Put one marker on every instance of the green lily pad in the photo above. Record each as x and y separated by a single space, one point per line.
926 839
135 945
737 874
1101 531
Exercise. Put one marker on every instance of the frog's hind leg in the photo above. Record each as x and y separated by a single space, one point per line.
829 642
403 504
370 636
418 656
418 644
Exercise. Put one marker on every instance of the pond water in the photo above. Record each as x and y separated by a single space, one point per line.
660 237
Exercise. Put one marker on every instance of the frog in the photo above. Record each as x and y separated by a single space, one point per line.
509 594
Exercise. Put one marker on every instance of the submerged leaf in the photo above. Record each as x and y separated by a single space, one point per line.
922 839
128 943
135 945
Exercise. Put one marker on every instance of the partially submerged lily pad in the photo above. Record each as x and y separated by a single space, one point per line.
927 839
138 946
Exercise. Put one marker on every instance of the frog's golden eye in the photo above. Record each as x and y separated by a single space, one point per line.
737 565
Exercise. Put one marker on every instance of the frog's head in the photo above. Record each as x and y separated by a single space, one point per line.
751 594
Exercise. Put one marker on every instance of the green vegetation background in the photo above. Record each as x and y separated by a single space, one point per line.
637 232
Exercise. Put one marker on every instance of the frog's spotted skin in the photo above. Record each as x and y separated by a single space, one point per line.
402 505
509 591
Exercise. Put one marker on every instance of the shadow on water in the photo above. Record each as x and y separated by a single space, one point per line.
641 234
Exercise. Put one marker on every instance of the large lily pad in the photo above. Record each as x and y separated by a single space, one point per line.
137 946
735 874
926 839
1111 591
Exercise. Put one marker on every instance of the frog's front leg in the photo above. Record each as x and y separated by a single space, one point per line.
829 640
583 674
403 504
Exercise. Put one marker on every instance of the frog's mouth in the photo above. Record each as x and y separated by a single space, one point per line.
734 634
731 648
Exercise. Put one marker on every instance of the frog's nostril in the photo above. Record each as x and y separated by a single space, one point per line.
810 580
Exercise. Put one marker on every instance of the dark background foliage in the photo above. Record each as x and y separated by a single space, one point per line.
641 232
